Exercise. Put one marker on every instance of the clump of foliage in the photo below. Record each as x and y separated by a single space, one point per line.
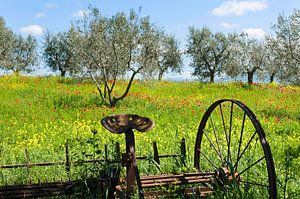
16 52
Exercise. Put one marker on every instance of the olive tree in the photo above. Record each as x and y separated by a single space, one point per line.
6 44
57 52
286 41
16 52
111 48
24 54
208 51
169 55
248 56
275 59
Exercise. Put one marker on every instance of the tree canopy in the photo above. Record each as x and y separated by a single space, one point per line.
247 57
125 45
169 55
16 52
110 48
208 52
58 54
286 45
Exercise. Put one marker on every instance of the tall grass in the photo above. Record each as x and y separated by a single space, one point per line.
43 114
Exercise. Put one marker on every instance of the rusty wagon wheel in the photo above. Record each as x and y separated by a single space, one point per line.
231 141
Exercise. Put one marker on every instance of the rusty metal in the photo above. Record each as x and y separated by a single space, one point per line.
218 173
155 153
189 192
68 164
125 124
122 123
42 164
227 132
130 162
172 180
48 189
183 151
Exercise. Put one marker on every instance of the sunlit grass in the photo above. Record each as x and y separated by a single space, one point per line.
43 114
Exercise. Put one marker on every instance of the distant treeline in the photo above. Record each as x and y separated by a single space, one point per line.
107 48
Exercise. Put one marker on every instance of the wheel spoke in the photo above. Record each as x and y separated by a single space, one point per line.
257 161
254 183
209 160
240 141
217 141
247 152
239 157
253 151
229 136
212 144
223 122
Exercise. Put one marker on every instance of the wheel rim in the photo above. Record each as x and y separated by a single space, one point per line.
229 136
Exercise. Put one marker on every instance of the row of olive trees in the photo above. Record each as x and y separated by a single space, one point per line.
114 47
216 53
238 55
123 46
16 52
109 48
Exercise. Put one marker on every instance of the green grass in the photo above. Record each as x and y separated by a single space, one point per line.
42 114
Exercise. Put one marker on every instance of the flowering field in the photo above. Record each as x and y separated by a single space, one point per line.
43 114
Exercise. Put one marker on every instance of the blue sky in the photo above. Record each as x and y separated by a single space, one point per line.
174 16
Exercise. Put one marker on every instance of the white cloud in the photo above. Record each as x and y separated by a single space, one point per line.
81 13
229 25
239 8
51 5
32 29
257 33
39 15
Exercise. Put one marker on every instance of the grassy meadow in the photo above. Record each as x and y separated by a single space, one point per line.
42 114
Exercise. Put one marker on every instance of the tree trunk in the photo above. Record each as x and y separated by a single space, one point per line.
160 75
250 77
272 77
211 77
62 73
17 71
114 100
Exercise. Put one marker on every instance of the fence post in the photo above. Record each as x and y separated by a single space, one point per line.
155 152
68 165
27 163
183 151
